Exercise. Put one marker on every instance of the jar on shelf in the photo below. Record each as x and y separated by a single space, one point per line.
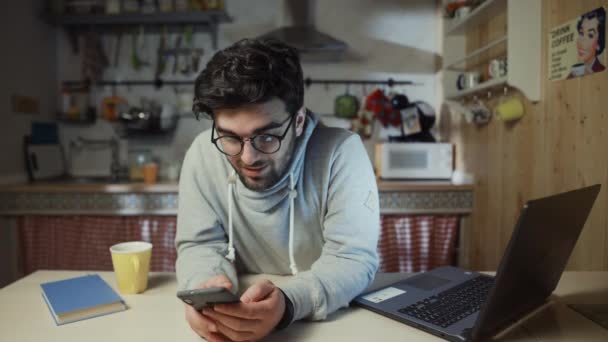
137 160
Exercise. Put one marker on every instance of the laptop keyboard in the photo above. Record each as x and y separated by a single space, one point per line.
452 305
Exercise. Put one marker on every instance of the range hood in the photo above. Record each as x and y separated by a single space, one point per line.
298 30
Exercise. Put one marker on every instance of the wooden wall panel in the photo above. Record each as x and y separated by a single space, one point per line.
560 144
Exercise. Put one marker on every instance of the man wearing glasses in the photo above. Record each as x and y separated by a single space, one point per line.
271 190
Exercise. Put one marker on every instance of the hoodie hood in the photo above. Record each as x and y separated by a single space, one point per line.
263 201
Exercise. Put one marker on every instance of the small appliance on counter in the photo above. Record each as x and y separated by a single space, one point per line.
417 161
43 161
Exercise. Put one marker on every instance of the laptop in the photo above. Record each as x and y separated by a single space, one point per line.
461 305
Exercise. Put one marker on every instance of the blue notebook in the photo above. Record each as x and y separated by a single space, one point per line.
79 298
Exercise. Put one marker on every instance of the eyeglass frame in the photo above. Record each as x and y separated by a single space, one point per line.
251 138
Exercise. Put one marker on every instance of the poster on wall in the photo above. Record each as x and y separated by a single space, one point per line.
577 48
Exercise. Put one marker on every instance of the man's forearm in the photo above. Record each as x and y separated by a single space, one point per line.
197 264
331 284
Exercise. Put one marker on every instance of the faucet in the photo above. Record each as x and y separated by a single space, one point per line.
113 143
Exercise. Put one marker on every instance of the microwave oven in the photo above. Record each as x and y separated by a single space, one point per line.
414 160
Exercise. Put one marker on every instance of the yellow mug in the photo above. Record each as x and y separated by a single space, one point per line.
131 261
509 110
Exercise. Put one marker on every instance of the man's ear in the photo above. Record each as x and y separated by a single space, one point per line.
300 119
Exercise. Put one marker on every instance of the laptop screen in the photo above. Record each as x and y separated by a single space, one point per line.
535 257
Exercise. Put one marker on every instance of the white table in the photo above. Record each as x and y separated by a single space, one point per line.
157 315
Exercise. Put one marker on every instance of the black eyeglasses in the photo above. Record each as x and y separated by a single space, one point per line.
232 145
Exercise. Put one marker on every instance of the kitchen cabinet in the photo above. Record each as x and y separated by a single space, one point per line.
70 226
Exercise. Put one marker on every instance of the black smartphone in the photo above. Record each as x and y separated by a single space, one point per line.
203 298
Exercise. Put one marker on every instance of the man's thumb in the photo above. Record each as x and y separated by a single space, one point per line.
258 291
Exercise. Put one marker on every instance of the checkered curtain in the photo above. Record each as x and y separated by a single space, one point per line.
83 242
408 243
413 243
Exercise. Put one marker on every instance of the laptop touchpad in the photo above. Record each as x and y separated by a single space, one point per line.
426 282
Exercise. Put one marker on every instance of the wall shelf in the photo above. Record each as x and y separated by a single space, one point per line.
205 21
480 88
454 66
161 18
523 47
488 9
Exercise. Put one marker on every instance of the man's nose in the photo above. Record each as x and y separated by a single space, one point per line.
249 155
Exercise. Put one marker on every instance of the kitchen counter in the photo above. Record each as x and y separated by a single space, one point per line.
38 187
173 187
62 198
397 199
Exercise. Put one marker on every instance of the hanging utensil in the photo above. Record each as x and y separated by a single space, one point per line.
178 43
185 61
143 47
161 59
138 44
196 59
135 62
117 48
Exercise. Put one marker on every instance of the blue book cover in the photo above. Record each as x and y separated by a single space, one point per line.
79 298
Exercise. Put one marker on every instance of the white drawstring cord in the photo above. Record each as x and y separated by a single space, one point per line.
231 183
292 196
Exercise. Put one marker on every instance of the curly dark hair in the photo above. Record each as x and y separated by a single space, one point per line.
600 15
251 71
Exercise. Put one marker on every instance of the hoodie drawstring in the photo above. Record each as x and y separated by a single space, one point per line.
292 196
231 183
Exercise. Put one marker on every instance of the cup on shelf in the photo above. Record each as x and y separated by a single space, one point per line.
497 68
467 80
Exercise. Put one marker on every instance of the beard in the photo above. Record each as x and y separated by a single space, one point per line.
274 169
260 183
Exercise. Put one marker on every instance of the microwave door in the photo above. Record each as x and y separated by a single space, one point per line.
407 163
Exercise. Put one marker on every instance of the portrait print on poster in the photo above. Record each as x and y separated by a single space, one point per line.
577 48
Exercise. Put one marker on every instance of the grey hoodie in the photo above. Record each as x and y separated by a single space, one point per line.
334 229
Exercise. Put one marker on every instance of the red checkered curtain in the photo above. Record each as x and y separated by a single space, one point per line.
83 242
413 243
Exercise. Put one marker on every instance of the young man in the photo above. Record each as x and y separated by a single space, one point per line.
271 190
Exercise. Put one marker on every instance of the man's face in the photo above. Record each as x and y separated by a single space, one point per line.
259 171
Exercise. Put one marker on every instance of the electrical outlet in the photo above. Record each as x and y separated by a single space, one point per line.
25 104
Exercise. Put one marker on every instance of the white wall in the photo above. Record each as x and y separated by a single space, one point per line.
388 38
27 60
27 68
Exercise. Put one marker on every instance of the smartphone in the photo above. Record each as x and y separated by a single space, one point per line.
203 298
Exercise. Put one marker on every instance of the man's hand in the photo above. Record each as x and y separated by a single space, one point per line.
203 326
259 312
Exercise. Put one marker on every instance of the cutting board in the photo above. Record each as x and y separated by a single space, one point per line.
44 161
